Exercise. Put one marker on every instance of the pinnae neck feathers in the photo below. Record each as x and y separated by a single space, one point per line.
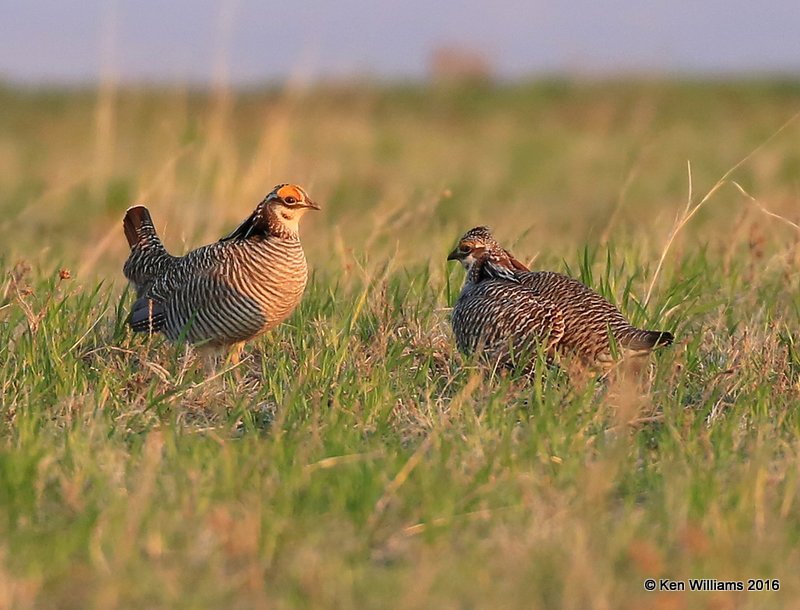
489 267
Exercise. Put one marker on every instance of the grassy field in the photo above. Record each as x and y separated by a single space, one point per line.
354 460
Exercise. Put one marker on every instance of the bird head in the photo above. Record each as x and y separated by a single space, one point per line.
287 203
473 247
278 215
478 246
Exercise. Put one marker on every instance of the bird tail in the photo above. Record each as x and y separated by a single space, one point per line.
139 229
649 339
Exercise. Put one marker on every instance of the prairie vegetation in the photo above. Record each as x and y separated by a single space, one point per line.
354 459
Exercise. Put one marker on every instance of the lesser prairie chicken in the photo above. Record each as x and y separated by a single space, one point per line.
229 291
507 312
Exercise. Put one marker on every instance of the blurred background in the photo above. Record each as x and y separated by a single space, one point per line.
556 123
246 42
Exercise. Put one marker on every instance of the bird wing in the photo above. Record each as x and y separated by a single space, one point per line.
200 300
192 267
536 318
149 312
147 315
590 317
503 318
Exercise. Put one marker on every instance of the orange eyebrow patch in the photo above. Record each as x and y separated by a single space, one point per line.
290 190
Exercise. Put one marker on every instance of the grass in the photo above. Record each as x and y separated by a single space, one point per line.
354 459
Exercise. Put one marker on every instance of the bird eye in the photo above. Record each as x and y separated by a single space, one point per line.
290 200
464 249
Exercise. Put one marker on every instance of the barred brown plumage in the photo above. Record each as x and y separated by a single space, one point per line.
507 312
226 292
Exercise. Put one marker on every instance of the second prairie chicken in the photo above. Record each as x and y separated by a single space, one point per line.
507 312
226 292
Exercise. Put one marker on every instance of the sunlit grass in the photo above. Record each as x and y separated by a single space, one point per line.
354 459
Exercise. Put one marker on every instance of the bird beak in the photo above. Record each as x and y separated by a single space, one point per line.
453 256
311 205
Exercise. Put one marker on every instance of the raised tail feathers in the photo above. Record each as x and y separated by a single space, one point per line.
139 229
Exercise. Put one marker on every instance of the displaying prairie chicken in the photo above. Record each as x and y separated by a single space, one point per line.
227 292
507 312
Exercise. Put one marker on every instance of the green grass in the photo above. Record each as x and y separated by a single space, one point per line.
354 459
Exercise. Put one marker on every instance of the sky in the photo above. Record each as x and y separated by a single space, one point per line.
245 41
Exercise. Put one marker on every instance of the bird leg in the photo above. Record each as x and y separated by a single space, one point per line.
235 354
